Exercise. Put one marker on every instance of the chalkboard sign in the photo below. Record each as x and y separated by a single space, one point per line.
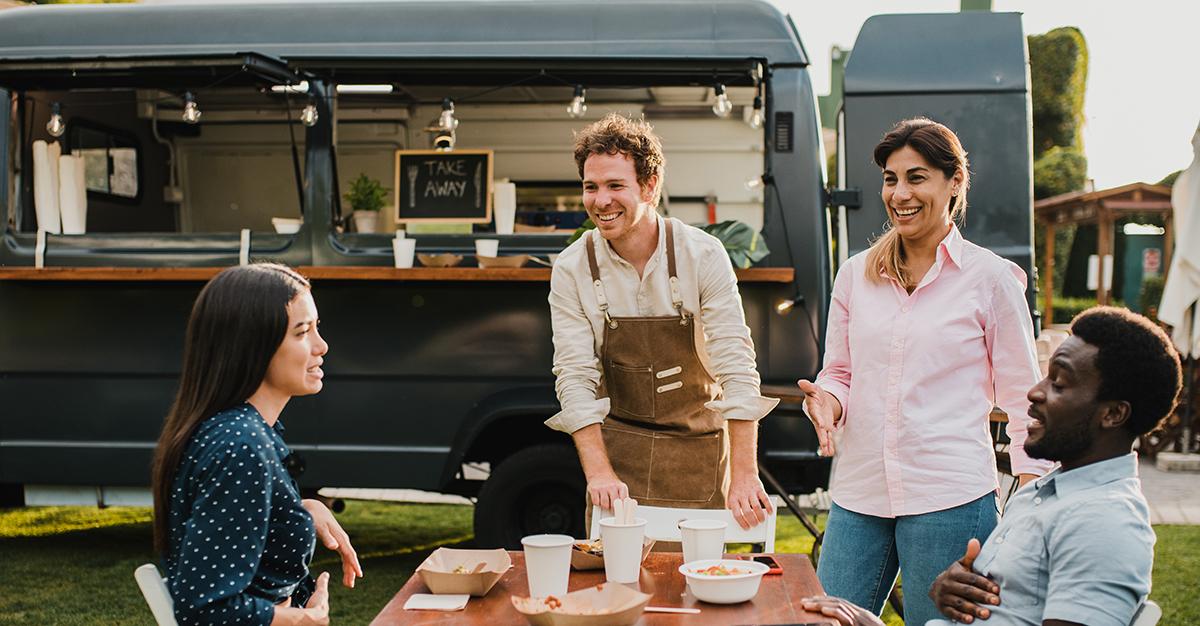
433 186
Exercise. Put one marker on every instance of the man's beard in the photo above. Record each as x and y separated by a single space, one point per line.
1057 444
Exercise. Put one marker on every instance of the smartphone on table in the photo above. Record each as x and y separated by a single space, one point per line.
765 559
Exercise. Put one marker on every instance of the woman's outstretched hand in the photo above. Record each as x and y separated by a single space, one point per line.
825 412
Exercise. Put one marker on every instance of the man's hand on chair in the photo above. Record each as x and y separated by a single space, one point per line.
748 500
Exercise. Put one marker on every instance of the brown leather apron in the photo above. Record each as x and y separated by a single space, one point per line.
662 442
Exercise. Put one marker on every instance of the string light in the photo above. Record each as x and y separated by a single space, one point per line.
756 115
723 107
309 115
578 104
191 112
56 127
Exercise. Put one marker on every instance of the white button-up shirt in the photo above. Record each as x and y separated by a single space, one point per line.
709 290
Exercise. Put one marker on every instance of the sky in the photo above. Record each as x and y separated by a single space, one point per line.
1143 89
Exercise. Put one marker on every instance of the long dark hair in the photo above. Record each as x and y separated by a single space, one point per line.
941 148
238 322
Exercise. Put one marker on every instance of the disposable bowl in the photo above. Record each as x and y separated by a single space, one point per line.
724 589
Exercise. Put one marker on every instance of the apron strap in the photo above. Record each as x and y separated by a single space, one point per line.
676 296
596 284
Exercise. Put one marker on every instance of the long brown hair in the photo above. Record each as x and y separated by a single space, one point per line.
237 323
941 148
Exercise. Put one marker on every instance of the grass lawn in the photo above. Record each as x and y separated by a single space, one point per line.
74 565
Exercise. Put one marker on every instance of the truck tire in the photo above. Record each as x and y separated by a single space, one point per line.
539 489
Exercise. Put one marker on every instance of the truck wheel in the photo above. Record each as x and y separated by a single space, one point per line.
540 489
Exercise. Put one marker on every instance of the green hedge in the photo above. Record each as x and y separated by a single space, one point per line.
1058 72
1059 170
1065 309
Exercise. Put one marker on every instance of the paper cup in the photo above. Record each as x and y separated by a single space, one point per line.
403 250
505 207
487 247
702 539
548 564
622 549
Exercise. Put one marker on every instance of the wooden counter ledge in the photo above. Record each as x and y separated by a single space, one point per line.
332 272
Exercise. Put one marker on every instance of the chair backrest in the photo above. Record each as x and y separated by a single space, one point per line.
154 589
1147 614
662 524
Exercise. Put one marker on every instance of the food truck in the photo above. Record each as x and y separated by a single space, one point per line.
148 146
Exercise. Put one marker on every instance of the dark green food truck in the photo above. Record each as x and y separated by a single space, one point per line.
147 146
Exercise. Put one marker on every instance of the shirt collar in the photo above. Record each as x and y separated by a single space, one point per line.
952 245
1091 475
659 249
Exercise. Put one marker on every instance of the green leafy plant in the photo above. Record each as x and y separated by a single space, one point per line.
1151 295
366 194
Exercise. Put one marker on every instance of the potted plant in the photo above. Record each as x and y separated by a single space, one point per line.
366 197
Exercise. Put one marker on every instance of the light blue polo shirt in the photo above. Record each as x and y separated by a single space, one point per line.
1073 546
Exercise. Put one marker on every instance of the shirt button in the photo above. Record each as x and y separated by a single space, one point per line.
1037 500
905 308
999 539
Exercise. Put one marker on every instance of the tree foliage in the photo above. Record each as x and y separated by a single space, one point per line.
1059 170
1169 179
1058 73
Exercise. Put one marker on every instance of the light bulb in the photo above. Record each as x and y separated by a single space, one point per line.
309 115
578 104
754 184
191 112
446 121
756 115
56 126
723 106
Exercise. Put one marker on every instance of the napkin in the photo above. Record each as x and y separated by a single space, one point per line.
431 602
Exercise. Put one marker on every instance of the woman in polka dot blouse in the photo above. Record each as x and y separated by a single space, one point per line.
235 536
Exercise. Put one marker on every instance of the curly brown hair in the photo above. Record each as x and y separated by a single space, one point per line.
617 134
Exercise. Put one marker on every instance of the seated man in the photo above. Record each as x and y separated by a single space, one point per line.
1075 546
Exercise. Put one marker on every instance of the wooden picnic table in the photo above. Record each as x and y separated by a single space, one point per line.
777 602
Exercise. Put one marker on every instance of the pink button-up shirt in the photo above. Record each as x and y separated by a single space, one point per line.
917 375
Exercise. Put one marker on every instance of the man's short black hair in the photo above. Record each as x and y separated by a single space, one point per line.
1137 363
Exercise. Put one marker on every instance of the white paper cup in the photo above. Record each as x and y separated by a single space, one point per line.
403 250
703 539
622 549
548 564
487 247
504 207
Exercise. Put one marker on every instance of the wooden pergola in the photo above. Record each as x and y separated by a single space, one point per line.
1103 208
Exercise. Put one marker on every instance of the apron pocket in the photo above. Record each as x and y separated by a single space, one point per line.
686 469
628 451
631 391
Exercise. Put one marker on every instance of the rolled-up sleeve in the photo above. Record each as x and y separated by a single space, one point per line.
220 551
727 340
1009 336
835 371
576 366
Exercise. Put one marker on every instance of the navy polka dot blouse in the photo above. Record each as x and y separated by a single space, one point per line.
239 541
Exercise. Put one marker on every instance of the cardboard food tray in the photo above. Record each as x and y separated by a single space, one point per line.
581 560
603 605
437 571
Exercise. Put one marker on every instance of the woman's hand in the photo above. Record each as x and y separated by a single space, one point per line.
315 613
333 537
845 612
825 412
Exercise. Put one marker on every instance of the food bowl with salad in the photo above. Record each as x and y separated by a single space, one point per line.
723 581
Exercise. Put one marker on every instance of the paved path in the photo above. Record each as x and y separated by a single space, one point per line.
1174 497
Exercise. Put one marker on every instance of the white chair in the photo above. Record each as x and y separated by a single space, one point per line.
662 524
154 589
1147 614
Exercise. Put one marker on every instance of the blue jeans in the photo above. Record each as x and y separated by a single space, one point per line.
861 554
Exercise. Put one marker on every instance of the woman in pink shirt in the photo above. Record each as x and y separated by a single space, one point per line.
926 333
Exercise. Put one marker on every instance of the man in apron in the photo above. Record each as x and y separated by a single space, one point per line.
654 366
